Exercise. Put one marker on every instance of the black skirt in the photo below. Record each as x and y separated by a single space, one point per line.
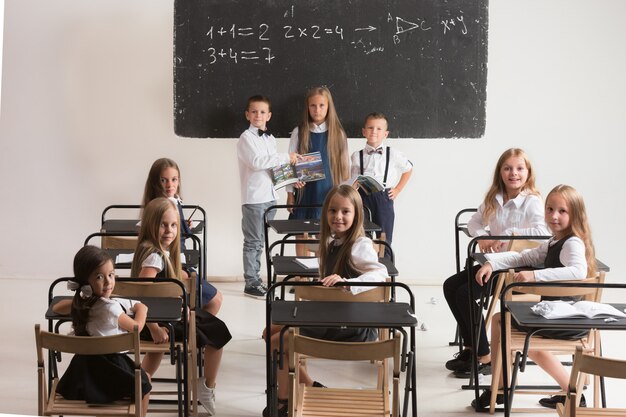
210 331
101 379
339 334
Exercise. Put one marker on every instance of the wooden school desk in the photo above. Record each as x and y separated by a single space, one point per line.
523 316
338 314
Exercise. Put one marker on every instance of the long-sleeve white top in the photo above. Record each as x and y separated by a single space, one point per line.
521 216
572 256
256 155
365 258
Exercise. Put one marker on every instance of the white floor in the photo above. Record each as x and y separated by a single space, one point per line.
241 385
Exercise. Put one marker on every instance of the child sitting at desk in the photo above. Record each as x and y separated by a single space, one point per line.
158 255
512 206
388 166
100 379
256 152
345 255
164 181
568 255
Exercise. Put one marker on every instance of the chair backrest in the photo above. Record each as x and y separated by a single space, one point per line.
321 293
587 292
118 242
345 351
518 245
590 365
49 404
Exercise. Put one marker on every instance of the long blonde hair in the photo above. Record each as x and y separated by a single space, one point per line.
578 222
498 186
153 187
148 241
337 145
356 231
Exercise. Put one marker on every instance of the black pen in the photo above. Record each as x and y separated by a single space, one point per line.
192 213
295 311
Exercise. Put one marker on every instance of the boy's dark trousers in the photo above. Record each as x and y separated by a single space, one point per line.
381 207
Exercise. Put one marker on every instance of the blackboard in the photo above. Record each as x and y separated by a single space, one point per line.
421 62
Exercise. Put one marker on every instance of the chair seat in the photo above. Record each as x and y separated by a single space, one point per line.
341 402
57 405
539 343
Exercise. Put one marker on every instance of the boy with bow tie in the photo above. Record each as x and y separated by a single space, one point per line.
256 152
388 166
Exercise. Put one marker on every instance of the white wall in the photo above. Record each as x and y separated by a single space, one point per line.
87 106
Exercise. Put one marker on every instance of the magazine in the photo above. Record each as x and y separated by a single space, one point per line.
368 184
308 168
563 309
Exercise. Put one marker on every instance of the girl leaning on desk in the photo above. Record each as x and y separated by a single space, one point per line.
568 255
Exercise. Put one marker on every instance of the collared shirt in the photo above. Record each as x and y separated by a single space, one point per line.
572 256
365 258
294 142
374 165
104 316
521 216
257 154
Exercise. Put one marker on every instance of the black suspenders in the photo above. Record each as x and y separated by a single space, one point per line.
386 165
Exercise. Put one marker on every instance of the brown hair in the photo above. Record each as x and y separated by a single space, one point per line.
356 231
376 116
259 99
86 261
578 222
148 241
498 186
337 145
153 188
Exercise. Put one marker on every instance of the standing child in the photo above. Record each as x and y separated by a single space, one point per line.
100 379
346 255
256 152
568 255
319 131
158 255
512 206
388 166
164 181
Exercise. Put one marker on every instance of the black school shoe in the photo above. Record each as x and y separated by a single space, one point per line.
461 360
485 399
483 369
282 411
551 402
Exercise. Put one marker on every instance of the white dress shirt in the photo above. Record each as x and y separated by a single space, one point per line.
374 165
521 216
257 154
572 256
365 258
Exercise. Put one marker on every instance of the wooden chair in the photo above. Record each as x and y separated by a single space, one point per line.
515 339
315 401
118 242
51 403
514 246
132 289
594 365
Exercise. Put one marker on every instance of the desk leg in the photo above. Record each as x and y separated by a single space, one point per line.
505 371
413 374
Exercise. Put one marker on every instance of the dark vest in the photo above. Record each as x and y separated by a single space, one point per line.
331 260
553 261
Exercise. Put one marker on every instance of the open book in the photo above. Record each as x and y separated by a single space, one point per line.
564 309
368 184
308 168
308 263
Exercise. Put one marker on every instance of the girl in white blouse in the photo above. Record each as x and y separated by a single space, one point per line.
346 255
512 206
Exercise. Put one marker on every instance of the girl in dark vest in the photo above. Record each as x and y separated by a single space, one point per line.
346 255
568 255
158 255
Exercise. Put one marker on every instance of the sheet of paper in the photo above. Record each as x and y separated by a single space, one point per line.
124 258
309 263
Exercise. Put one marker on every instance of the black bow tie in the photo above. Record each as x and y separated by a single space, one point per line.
378 150
265 132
